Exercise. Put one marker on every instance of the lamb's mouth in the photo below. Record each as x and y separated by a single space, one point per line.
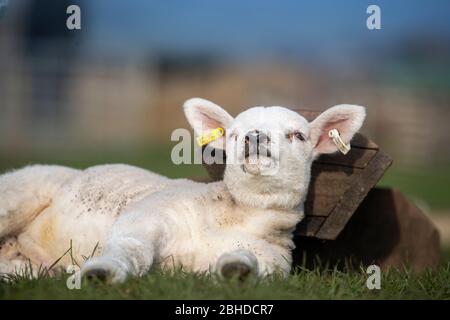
257 154
257 164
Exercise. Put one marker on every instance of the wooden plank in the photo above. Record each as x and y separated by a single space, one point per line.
386 230
309 226
330 181
326 189
321 206
356 158
352 198
361 141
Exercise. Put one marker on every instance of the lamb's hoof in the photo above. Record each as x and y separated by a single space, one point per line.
97 275
236 270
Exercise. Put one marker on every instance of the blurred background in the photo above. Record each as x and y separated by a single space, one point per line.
113 91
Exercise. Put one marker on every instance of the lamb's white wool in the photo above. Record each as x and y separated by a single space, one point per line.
139 219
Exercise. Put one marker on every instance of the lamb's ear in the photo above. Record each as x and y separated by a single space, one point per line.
204 115
346 118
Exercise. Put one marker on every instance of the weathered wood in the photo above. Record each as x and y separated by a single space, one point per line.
327 186
361 141
356 158
330 182
320 205
352 198
309 226
386 230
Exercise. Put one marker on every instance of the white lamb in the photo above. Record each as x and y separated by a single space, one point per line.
239 226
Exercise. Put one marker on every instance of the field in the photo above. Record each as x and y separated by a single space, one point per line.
302 284
428 188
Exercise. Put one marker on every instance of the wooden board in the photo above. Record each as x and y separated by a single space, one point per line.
386 230
339 183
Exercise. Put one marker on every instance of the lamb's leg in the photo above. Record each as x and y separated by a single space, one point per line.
131 249
242 263
123 256
239 263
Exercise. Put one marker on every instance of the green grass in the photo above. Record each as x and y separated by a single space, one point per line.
303 284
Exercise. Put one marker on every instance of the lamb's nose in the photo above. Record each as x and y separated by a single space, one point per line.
254 140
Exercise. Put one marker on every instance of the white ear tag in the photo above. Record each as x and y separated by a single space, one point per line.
334 134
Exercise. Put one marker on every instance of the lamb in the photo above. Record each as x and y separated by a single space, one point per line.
137 219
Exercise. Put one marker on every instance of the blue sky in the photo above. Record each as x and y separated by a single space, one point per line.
245 28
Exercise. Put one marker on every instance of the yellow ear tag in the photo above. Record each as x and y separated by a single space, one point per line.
210 136
334 134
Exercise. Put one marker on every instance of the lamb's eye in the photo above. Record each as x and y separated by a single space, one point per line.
299 135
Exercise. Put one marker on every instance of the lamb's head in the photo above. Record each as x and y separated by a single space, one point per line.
270 149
